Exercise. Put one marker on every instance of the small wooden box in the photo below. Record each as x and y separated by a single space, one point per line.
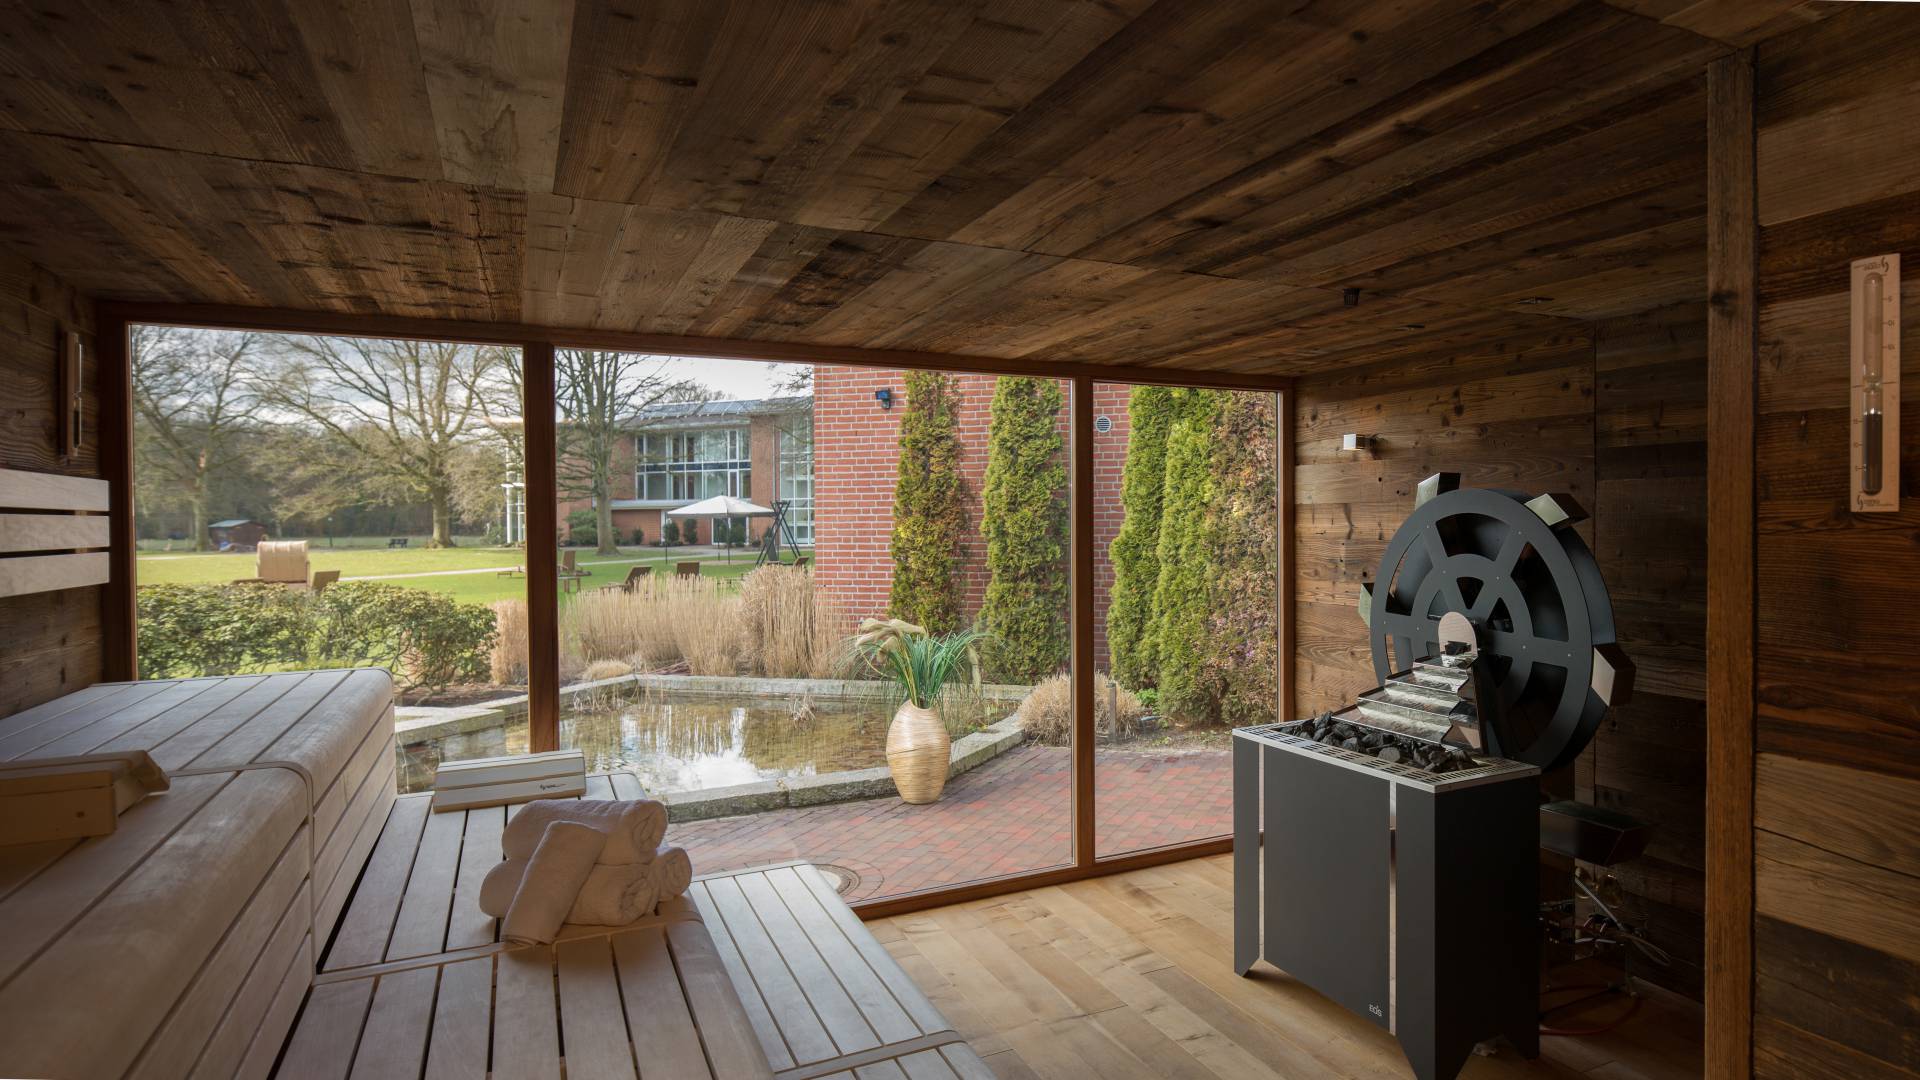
71 797
498 781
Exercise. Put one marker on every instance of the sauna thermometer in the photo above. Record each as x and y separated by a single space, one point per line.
1875 363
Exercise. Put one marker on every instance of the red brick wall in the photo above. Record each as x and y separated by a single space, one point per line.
856 459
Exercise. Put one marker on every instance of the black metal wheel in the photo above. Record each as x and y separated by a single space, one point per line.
1534 594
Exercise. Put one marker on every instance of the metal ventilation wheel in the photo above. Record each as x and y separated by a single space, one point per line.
1530 586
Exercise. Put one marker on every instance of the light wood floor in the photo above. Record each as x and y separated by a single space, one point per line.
1130 976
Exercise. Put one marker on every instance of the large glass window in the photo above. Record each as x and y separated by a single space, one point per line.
796 478
686 465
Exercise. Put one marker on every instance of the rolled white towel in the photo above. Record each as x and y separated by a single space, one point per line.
634 827
614 893
559 867
672 872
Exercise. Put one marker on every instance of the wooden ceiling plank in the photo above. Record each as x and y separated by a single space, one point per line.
1340 58
1005 57
668 264
786 251
848 265
1603 277
366 62
930 286
1588 62
1735 22
634 74
569 243
496 75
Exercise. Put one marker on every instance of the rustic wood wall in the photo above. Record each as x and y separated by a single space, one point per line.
1837 788
50 643
1613 415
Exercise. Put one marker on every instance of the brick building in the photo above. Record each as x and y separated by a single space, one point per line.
758 450
856 462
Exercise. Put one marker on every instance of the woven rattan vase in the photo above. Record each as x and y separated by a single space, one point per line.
917 751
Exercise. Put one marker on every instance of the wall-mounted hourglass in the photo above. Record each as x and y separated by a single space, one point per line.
1875 457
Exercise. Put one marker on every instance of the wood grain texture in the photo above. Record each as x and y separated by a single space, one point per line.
1129 182
1835 973
1732 360
1131 975
53 640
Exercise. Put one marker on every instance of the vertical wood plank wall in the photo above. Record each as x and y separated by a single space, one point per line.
1837 788
52 640
1612 414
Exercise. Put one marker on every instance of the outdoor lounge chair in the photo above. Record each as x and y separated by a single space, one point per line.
570 570
279 562
686 569
324 578
633 578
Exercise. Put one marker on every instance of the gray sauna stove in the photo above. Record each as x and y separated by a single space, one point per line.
1388 854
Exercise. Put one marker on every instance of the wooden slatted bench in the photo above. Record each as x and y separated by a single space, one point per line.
182 943
757 973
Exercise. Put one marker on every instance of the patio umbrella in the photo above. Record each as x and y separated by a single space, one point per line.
721 506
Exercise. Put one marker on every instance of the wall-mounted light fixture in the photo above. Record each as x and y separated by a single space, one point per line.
884 396
1365 444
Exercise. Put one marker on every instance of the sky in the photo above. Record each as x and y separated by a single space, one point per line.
734 379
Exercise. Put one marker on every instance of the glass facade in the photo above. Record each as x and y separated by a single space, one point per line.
681 466
796 479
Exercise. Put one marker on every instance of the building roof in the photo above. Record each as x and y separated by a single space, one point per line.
701 413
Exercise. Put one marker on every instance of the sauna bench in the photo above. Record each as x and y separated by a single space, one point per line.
763 972
182 943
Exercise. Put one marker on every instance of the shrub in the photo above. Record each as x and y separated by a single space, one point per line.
791 629
507 659
929 507
1024 520
426 638
582 529
1046 713
220 629
670 532
1135 550
1182 596
1236 678
639 536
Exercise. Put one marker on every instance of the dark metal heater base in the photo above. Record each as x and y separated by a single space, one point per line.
1410 901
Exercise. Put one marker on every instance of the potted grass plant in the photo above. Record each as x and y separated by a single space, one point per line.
919 665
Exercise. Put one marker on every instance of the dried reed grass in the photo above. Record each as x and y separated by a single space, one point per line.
507 660
1047 711
791 629
612 625
705 624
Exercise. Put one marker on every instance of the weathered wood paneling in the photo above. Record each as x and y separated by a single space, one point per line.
1615 415
49 642
1837 952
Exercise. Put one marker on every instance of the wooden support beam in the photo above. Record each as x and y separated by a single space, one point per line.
1080 541
1283 493
1732 232
114 370
543 554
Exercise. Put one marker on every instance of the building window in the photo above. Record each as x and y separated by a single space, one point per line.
685 466
796 479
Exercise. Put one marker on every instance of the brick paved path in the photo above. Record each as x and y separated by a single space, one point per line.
1006 816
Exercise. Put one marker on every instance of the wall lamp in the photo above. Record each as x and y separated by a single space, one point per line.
884 396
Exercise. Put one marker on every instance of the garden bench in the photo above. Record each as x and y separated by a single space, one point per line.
396 541
182 943
762 972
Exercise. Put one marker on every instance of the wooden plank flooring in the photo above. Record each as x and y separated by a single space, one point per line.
1131 976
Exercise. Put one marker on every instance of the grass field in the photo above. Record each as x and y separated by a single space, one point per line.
468 574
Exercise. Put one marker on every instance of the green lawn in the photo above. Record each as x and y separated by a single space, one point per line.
481 585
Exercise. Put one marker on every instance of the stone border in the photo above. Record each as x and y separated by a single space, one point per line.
969 752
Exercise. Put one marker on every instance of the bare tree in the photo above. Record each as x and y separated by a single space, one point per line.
405 409
597 394
191 397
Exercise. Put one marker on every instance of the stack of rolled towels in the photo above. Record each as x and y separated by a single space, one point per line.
590 861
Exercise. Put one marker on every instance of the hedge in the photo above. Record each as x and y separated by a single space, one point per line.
1182 597
1024 520
426 639
1135 551
929 507
1238 672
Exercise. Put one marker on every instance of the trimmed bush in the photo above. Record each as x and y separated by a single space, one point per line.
426 639
1183 596
1239 662
929 507
1135 551
1024 520
582 529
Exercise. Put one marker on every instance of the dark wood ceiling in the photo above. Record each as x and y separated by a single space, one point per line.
1120 181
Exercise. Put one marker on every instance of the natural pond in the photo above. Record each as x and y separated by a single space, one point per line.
694 742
